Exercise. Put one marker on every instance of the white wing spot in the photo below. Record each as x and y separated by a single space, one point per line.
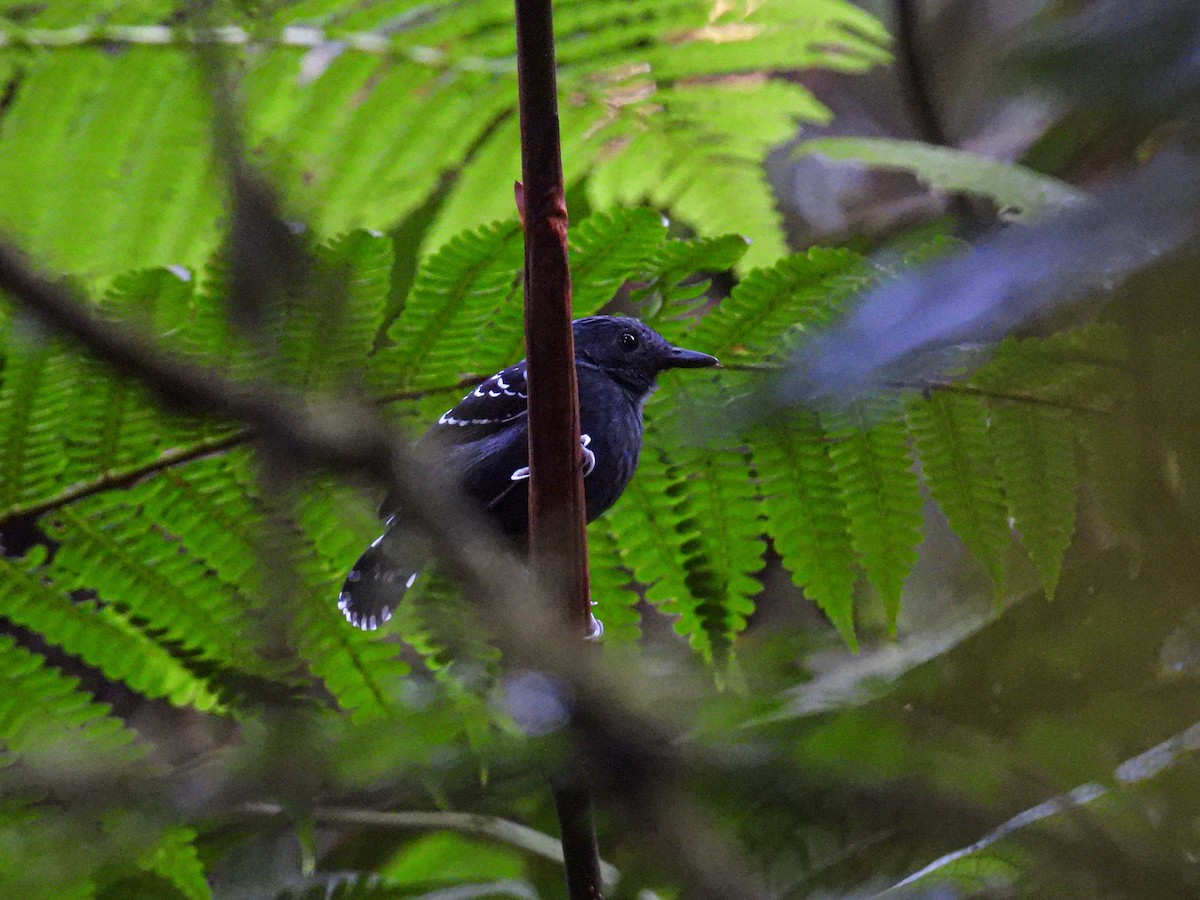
448 419
411 579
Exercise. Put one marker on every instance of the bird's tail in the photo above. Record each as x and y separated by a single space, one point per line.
378 581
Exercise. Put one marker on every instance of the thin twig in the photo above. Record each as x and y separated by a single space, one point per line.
1140 768
513 833
955 387
300 36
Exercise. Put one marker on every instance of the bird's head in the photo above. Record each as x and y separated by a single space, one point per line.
631 352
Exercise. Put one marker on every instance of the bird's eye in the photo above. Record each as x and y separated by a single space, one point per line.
628 340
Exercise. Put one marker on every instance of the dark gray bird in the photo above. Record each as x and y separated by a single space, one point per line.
484 440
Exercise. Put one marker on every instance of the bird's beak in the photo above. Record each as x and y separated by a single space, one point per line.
678 358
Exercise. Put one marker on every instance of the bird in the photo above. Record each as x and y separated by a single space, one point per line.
484 442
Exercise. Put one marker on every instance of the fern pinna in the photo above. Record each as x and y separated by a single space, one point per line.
163 562
364 111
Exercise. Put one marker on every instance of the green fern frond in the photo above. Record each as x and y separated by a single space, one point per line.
324 340
714 535
109 157
107 546
726 549
616 602
117 426
440 624
870 455
647 527
1035 454
47 722
175 859
670 284
369 126
1044 396
361 671
38 837
701 157
765 37
1084 366
99 635
481 191
66 421
806 517
957 464
35 414
466 298
607 249
801 292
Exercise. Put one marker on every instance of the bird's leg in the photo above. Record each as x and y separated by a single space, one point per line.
595 627
589 458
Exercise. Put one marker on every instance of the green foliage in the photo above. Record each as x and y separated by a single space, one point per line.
801 292
808 521
468 291
175 560
959 467
1035 453
174 858
364 112
198 583
50 725
185 576
870 458
1019 193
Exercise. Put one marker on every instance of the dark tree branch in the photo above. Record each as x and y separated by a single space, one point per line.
581 856
914 81
913 76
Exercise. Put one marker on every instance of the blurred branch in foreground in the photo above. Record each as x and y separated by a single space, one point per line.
1003 283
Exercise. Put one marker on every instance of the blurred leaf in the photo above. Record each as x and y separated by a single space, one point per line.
1019 193
444 856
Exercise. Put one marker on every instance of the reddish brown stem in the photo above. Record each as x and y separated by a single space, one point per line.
557 520
557 524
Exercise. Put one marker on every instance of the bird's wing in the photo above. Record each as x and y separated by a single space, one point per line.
483 432
495 405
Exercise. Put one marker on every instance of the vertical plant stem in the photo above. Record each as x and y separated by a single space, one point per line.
557 520
557 524
581 856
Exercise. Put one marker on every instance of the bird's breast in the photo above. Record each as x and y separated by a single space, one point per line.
614 425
